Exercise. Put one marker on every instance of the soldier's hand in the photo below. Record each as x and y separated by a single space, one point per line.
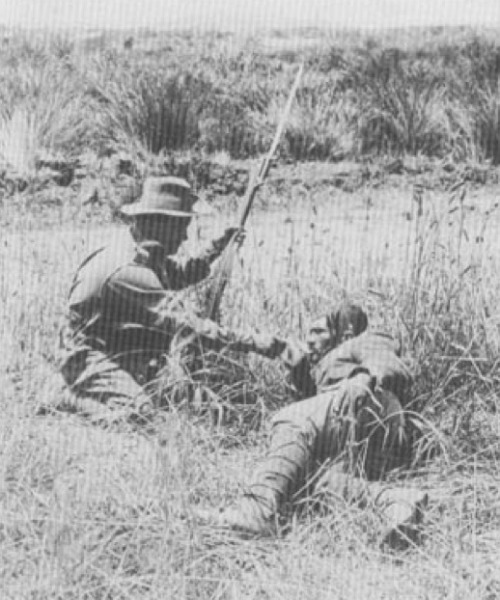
294 352
234 231
220 244
268 345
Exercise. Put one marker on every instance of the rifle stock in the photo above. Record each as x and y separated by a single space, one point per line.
257 179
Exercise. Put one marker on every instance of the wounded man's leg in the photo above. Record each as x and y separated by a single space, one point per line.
303 434
401 509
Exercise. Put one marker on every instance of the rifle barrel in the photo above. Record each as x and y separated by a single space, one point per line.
256 180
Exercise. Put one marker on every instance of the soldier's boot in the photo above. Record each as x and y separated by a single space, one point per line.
99 413
62 400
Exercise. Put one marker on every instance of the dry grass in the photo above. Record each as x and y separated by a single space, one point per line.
86 513
45 112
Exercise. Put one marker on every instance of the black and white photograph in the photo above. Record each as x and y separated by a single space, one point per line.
249 287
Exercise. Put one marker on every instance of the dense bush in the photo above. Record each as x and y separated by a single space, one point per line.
439 99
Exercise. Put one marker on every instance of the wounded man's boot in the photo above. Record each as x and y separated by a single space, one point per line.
303 435
250 517
277 479
403 512
401 509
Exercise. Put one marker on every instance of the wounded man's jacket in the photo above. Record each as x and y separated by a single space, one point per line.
374 353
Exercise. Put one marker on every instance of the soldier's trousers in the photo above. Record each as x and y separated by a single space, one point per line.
101 387
348 427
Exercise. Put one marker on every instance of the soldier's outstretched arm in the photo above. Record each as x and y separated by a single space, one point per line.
216 337
296 358
137 292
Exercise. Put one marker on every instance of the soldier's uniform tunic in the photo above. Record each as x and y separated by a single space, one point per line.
122 315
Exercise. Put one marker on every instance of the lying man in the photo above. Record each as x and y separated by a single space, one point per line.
122 311
341 440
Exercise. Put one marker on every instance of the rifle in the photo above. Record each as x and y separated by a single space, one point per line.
258 177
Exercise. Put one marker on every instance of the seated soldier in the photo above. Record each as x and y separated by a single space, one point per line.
343 438
120 312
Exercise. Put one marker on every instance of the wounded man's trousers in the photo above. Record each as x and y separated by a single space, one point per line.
347 427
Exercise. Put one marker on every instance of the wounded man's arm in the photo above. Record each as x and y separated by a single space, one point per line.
377 354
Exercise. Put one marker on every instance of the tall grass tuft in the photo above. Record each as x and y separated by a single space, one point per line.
485 113
19 142
153 106
44 111
322 124
402 109
447 314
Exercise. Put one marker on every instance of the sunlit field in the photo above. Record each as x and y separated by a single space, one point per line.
91 513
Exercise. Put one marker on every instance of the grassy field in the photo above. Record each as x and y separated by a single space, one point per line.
411 232
87 513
